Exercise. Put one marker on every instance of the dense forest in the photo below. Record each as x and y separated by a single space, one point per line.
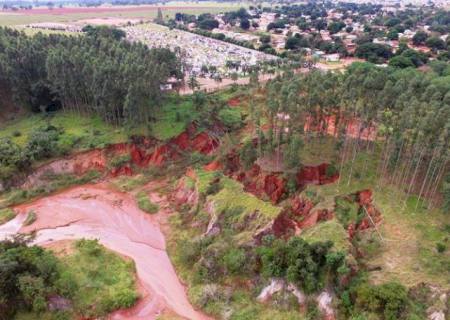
99 73
406 110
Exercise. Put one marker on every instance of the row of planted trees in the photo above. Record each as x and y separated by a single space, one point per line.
96 73
402 117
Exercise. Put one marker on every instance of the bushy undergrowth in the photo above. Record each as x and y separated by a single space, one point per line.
218 263
6 214
302 263
119 161
387 301
145 204
104 281
30 219
94 280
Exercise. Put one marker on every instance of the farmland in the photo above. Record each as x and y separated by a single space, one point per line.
70 14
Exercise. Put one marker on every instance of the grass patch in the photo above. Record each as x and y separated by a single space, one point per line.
329 230
31 218
232 194
173 118
105 282
347 211
119 161
145 204
126 184
231 117
82 132
6 215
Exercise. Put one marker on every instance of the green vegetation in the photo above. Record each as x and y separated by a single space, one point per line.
173 118
83 131
14 19
347 211
6 214
34 274
388 301
302 263
30 219
104 281
119 161
138 72
332 231
145 204
231 117
53 183
124 183
232 195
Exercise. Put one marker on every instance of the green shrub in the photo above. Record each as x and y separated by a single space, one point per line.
31 218
441 247
28 277
119 161
94 292
197 158
43 143
300 262
6 215
247 155
209 293
331 170
347 211
389 300
66 143
189 251
234 261
214 186
145 204
231 117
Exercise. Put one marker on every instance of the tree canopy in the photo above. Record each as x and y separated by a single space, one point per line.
95 74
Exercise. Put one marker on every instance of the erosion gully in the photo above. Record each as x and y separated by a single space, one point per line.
96 212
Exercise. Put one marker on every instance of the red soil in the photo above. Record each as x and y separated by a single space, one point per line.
78 164
354 127
234 102
274 187
365 201
213 166
315 175
122 171
182 141
204 143
283 225
273 184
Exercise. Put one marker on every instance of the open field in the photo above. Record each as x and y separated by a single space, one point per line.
70 14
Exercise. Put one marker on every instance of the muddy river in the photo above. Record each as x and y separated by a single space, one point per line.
96 212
